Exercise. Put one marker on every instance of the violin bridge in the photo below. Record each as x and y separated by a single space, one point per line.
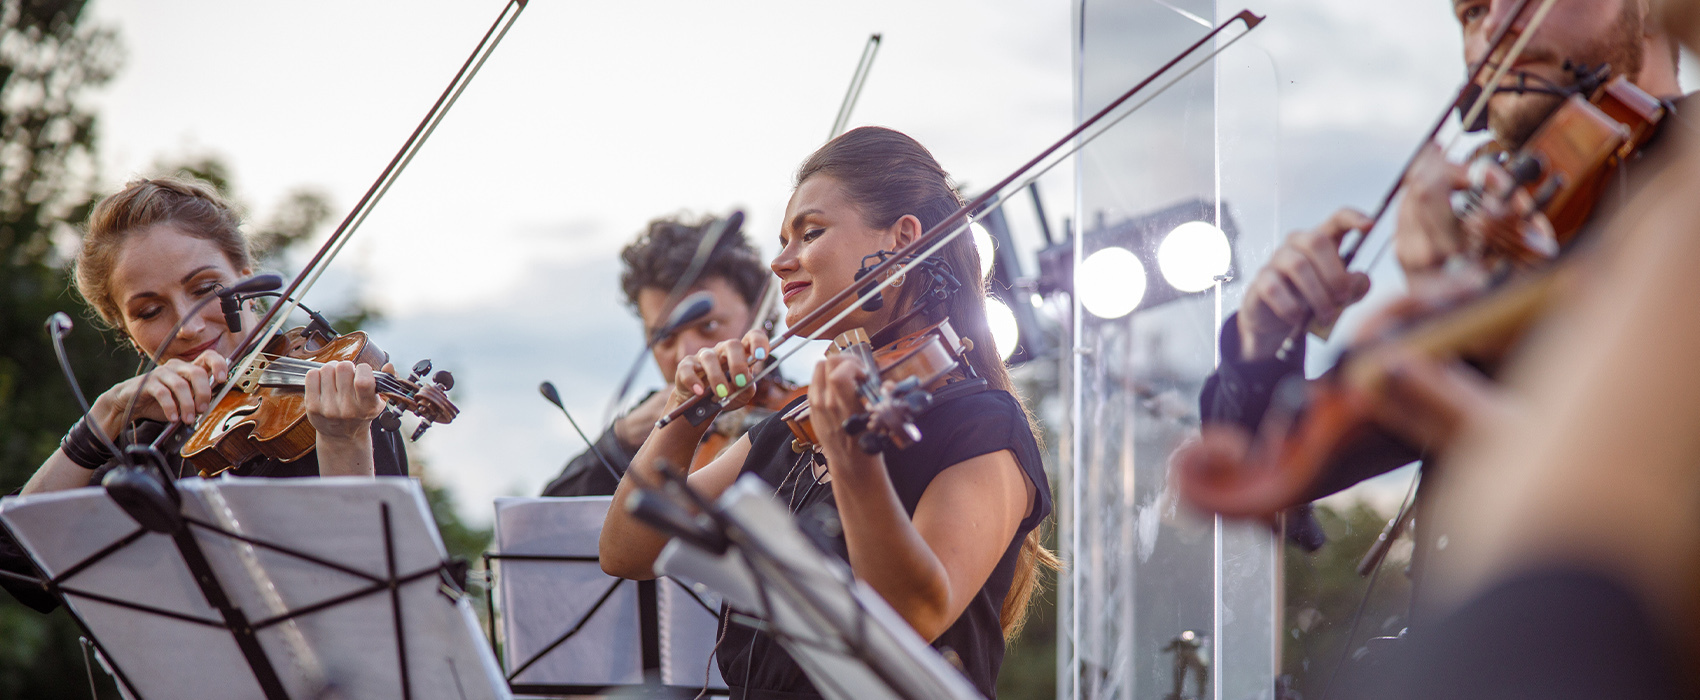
249 381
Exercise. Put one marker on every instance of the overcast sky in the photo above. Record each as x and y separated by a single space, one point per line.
495 253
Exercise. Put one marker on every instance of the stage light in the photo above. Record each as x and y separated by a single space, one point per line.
1111 282
983 243
1006 333
1193 255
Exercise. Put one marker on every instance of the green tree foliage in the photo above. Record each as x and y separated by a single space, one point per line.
1324 592
48 65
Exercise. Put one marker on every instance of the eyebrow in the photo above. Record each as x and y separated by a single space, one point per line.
185 280
797 221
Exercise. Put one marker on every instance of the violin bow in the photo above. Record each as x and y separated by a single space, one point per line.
1349 251
935 238
278 315
857 81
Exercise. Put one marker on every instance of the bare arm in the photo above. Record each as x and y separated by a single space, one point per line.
928 568
341 403
174 391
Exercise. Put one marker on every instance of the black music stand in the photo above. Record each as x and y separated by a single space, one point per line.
566 628
298 588
848 640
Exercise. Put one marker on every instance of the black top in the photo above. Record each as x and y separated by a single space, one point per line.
1553 634
389 458
954 430
588 475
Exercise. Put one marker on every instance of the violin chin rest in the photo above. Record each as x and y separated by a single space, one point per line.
144 497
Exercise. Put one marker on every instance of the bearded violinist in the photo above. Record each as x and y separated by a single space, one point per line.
734 277
1424 405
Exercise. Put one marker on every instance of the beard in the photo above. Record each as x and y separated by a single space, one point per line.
1514 117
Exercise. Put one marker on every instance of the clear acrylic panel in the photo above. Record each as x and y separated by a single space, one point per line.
1157 597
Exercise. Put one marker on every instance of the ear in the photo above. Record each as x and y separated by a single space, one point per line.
907 230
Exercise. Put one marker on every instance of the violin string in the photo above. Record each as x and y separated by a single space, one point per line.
964 225
295 367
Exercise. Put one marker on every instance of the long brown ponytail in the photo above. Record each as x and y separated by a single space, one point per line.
888 175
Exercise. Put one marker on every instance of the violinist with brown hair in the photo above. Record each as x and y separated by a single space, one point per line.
944 529
1422 407
151 252
735 279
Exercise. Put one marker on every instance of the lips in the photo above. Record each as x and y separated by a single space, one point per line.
792 289
194 352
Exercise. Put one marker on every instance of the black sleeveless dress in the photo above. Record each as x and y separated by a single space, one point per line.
956 429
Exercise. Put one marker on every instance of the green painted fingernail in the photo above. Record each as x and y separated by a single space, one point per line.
720 390
740 381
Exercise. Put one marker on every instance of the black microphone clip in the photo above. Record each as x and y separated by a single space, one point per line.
230 298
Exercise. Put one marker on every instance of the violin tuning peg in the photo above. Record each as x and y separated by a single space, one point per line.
388 420
423 426
444 380
421 368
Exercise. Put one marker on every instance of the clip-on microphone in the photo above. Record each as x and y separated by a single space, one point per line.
230 298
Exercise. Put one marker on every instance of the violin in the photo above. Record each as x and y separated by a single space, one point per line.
899 384
1568 161
772 394
1565 167
264 413
261 409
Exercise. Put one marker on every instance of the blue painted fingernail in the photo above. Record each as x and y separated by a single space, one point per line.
740 381
761 353
720 390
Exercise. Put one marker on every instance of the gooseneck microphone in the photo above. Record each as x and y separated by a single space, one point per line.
689 310
554 397
58 326
230 298
148 498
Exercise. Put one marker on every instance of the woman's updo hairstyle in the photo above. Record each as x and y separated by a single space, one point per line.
887 175
191 206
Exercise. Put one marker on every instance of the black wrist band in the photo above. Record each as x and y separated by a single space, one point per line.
83 448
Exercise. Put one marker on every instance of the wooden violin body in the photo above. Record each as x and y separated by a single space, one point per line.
901 377
772 396
265 413
1567 162
1564 167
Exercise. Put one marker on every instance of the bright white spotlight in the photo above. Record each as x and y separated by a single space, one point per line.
983 243
1005 332
1111 282
1193 255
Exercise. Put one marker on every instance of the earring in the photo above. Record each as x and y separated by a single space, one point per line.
900 280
